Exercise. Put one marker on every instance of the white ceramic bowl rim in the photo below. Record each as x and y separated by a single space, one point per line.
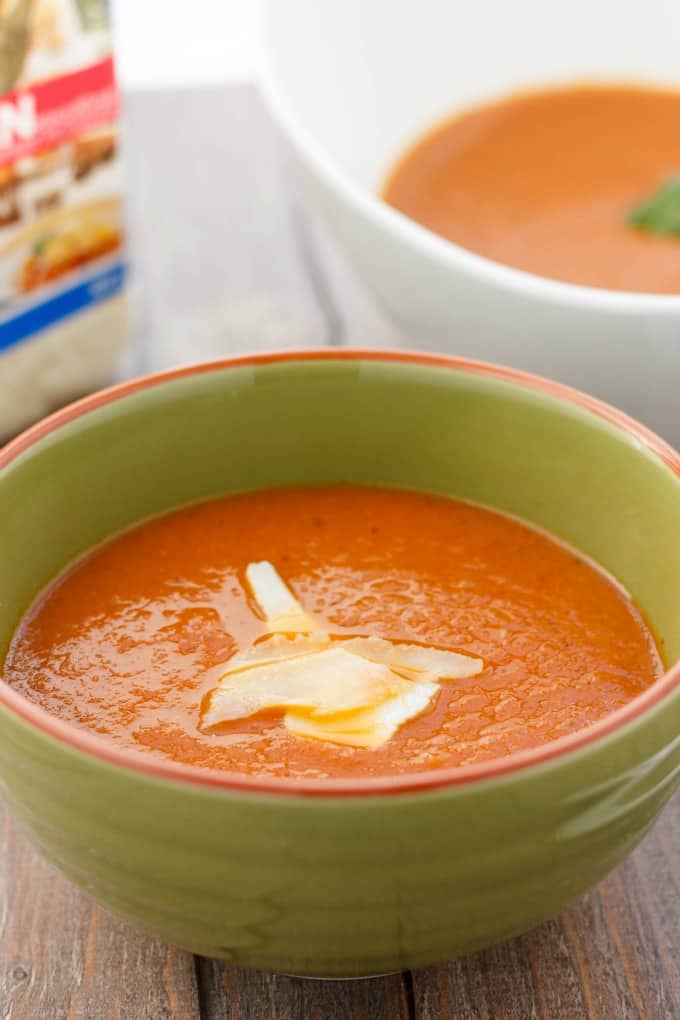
372 207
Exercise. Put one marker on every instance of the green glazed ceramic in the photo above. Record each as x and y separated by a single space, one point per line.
341 878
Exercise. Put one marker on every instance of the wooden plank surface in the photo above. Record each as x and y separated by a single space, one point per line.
227 260
62 956
234 994
612 955
218 264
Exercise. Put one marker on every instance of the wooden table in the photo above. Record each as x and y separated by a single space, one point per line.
227 260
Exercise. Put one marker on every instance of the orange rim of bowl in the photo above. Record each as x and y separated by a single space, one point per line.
435 779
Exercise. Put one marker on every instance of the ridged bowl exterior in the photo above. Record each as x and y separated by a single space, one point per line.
340 886
322 885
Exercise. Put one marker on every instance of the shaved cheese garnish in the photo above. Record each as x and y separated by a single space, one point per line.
416 658
326 683
281 609
369 727
280 646
355 690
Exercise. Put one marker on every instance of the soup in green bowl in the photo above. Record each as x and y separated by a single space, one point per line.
338 662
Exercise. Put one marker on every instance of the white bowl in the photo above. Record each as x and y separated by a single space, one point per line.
352 82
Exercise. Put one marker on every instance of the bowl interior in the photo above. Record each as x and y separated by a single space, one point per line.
400 422
384 71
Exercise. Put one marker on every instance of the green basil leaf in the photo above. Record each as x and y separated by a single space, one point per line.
660 213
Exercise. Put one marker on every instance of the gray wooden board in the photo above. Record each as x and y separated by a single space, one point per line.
226 260
215 254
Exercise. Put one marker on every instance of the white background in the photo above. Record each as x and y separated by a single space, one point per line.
165 43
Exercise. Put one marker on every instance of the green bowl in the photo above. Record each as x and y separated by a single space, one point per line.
342 878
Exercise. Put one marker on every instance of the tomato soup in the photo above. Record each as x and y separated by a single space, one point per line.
132 639
547 181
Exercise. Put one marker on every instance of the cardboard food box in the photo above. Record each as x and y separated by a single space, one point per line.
63 308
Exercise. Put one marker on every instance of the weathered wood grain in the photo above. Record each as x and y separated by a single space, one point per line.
230 993
612 955
63 958
216 256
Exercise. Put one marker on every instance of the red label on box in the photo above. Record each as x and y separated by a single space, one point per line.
50 112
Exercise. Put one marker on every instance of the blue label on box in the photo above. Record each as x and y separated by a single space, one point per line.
97 287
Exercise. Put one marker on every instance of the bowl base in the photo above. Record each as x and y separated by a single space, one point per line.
359 977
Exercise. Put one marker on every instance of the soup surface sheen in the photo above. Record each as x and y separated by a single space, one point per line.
130 639
545 181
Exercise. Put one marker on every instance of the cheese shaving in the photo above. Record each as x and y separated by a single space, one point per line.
281 609
370 727
354 690
416 659
323 683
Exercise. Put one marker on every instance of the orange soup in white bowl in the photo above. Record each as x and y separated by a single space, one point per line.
360 89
